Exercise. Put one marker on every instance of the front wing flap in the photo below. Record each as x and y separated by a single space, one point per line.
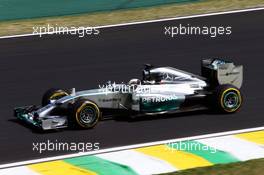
29 115
26 114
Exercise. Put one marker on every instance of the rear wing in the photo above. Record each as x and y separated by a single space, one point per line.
219 72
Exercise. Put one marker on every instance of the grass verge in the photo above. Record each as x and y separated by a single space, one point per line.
131 15
252 167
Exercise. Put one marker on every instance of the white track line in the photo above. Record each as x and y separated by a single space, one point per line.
151 21
129 147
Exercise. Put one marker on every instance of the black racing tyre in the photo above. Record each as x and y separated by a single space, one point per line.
85 114
227 99
52 94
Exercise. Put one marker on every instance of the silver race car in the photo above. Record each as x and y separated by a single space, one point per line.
161 90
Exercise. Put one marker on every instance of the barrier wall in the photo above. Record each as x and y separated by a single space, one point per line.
22 9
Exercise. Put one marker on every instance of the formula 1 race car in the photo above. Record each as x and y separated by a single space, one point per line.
161 90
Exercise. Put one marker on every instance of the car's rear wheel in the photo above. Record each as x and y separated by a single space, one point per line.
228 99
85 114
53 94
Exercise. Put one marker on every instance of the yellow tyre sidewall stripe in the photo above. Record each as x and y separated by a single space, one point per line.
59 168
256 137
239 96
81 107
57 94
179 159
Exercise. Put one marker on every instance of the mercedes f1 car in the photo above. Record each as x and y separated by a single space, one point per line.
161 90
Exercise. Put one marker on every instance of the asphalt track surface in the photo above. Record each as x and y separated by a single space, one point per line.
30 65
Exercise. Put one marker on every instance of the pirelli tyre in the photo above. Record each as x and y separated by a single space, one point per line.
227 99
85 114
52 94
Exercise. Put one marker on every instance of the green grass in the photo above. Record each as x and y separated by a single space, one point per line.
132 15
252 167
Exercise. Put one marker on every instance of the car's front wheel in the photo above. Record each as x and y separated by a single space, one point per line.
85 114
52 95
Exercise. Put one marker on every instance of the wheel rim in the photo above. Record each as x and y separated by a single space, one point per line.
87 115
231 100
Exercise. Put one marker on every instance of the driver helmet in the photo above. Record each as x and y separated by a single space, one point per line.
134 81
